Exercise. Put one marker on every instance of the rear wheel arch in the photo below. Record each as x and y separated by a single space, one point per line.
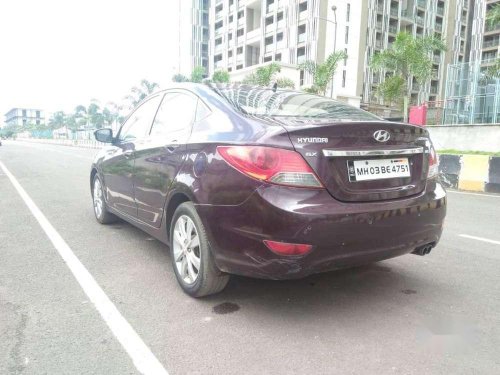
92 175
175 201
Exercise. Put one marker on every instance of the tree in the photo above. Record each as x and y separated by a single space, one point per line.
493 15
492 72
323 72
179 78
58 120
220 76
408 57
197 74
264 75
138 93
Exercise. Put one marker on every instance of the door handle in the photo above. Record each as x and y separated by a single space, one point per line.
128 153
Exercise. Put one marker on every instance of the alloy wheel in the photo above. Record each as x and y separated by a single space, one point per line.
186 248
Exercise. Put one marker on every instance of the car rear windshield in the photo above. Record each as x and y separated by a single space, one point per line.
284 103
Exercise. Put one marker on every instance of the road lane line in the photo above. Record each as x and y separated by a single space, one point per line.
142 357
480 239
478 194
37 147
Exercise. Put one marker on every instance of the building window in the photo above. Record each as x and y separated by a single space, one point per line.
345 59
268 58
239 51
218 41
217 58
279 17
303 6
231 2
230 36
343 78
279 37
241 13
268 40
238 67
38 122
240 32
348 12
230 54
269 20
37 114
24 113
218 8
346 34
230 18
229 69
277 57
301 79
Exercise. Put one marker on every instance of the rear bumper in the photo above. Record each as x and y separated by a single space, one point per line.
342 234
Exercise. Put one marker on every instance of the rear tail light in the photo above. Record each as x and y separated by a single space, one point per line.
274 165
433 163
283 248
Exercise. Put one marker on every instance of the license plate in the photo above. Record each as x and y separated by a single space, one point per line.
378 169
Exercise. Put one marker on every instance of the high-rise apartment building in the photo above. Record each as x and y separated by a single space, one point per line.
193 35
244 34
24 116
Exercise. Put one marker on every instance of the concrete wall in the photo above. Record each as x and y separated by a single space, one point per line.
466 137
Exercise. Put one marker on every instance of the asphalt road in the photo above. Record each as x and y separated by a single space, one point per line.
438 314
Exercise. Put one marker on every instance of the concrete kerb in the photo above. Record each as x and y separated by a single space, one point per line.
470 172
81 143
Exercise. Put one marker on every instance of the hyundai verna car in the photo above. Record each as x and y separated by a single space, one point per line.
267 183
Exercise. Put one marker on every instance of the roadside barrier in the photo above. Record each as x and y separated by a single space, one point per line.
470 172
82 143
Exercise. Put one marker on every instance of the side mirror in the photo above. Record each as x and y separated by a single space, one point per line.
104 135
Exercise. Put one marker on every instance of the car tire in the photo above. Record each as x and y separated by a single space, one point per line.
190 252
101 212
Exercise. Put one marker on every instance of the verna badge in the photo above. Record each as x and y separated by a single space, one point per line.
381 135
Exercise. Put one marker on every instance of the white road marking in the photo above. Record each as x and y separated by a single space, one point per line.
142 357
480 239
478 194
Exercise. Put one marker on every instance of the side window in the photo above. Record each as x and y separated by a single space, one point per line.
176 113
138 124
201 111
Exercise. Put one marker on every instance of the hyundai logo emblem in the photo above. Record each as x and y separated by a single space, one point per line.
381 135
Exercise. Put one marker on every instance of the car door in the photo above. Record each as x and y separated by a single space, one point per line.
160 157
118 164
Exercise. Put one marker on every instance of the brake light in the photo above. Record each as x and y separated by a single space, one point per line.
433 163
283 248
274 165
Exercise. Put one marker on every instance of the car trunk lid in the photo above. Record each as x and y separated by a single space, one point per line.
340 152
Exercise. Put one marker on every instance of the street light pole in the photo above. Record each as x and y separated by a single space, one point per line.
334 8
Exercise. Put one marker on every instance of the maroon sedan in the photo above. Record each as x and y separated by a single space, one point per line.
267 183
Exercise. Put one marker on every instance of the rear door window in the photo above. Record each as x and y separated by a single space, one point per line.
175 117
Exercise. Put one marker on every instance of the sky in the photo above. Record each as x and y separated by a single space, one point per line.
57 54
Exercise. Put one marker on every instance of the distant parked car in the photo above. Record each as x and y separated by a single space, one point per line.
267 183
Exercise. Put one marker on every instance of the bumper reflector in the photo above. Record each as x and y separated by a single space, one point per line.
283 248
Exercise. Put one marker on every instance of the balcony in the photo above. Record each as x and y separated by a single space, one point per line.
394 12
393 29
421 4
253 36
489 27
437 59
434 90
440 11
379 44
438 27
378 26
419 20
407 16
380 8
491 43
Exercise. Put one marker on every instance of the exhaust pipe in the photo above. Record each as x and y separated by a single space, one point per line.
424 249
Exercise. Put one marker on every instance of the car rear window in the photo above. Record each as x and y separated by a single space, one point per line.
258 101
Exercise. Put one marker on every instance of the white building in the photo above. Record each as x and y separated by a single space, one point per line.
193 35
247 33
24 116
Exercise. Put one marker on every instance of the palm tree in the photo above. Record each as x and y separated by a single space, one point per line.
58 120
408 57
322 72
138 93
493 15
264 75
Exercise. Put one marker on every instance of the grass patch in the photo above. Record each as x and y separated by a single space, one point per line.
460 152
